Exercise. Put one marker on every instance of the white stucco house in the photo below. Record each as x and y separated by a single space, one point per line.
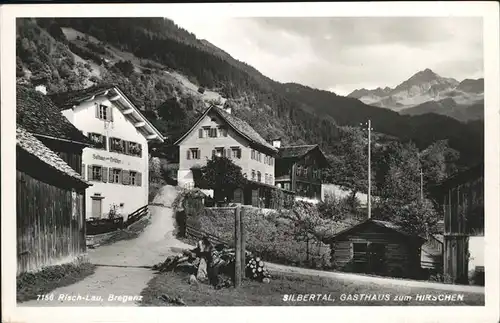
117 164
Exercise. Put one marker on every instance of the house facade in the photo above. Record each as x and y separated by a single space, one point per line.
219 133
117 164
462 200
299 169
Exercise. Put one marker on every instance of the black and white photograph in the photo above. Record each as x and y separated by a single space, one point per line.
176 160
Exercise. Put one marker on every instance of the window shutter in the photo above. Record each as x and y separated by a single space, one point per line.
238 153
125 177
111 175
138 179
230 153
83 171
104 174
110 113
200 133
110 145
127 147
188 154
89 172
96 110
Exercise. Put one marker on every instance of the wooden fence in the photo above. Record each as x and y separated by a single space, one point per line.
136 215
50 223
100 226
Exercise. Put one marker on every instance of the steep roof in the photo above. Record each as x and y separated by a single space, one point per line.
295 151
66 100
70 99
384 224
238 125
37 114
34 147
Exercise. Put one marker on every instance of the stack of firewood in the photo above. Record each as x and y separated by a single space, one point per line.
254 268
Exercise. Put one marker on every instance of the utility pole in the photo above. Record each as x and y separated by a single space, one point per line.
369 128
421 185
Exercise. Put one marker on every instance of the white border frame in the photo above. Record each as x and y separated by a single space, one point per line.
489 313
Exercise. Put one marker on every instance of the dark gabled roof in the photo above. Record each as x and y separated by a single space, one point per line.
384 224
66 100
295 151
238 125
37 114
458 178
34 147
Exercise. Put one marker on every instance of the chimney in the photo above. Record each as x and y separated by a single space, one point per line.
277 143
42 89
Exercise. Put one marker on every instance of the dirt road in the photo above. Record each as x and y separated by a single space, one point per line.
119 277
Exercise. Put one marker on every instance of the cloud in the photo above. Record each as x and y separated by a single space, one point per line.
343 54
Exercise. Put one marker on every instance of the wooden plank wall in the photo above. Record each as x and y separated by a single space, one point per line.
50 224
455 258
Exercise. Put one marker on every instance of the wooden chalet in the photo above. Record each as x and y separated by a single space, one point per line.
377 247
50 206
299 169
462 200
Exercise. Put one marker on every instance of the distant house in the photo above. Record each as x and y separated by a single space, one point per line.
50 208
217 132
462 199
377 247
118 162
299 169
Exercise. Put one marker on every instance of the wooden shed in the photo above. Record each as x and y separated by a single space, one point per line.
50 206
377 247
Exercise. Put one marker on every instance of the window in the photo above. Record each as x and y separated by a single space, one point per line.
207 132
265 178
116 145
103 112
133 178
271 180
253 154
298 170
236 152
98 140
259 156
193 153
219 152
286 186
213 132
253 175
259 177
115 175
133 148
97 173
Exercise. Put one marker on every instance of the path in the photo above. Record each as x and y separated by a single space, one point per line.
119 269
374 280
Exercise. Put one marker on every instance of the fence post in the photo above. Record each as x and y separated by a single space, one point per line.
237 240
243 243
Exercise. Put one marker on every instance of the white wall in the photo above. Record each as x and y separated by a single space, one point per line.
133 197
476 250
206 145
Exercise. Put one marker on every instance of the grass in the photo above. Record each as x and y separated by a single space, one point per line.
251 293
30 285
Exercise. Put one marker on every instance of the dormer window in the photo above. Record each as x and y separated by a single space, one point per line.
104 112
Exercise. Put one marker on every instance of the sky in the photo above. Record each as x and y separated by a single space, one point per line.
347 53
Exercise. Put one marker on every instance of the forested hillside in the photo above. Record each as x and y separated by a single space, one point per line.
141 55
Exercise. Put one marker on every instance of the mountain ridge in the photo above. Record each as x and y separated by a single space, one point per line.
423 88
